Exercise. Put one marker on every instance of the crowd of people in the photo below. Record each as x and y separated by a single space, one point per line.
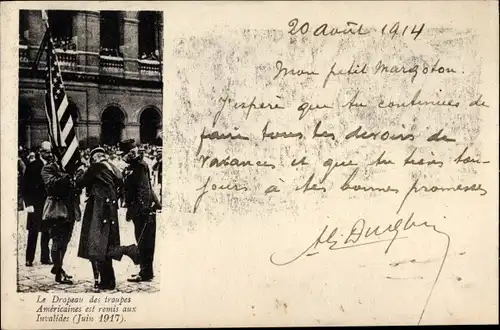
107 178
149 153
152 56
64 43
67 44
114 52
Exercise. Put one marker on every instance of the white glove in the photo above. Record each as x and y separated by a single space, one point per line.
30 209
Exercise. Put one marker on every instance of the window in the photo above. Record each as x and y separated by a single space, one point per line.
149 35
61 28
111 36
112 124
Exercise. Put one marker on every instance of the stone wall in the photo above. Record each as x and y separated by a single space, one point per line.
93 82
90 101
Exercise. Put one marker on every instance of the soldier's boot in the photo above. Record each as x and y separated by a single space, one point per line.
131 251
57 268
61 276
95 272
56 259
63 279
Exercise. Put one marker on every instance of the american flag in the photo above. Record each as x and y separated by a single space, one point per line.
60 119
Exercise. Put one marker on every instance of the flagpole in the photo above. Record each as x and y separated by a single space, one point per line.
43 46
43 43
45 18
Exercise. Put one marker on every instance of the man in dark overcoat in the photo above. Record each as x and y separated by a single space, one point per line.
100 235
63 202
141 208
34 197
21 167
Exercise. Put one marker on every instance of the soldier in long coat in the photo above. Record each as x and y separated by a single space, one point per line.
100 235
141 208
34 197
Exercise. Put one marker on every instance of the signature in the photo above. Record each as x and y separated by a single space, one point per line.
360 234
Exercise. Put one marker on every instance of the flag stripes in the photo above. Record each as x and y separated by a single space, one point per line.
60 119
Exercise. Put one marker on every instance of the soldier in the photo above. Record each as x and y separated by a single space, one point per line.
100 235
21 167
60 211
141 206
34 197
158 167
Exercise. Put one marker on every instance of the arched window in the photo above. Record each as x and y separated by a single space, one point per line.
113 122
110 33
150 130
61 28
149 35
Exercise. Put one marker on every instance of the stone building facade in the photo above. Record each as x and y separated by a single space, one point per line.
112 70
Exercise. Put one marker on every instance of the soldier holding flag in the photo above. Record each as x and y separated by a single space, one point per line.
62 207
60 211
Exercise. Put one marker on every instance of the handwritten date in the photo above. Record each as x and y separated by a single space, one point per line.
393 30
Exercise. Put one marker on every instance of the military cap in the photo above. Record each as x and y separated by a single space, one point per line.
96 150
127 145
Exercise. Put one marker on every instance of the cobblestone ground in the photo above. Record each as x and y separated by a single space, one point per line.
39 279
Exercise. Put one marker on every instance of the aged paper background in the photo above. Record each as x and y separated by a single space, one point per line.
217 262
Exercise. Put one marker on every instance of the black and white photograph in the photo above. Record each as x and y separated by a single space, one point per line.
90 145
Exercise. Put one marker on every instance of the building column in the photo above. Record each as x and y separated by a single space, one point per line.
132 131
79 27
160 27
93 31
86 34
36 32
160 46
159 130
130 47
